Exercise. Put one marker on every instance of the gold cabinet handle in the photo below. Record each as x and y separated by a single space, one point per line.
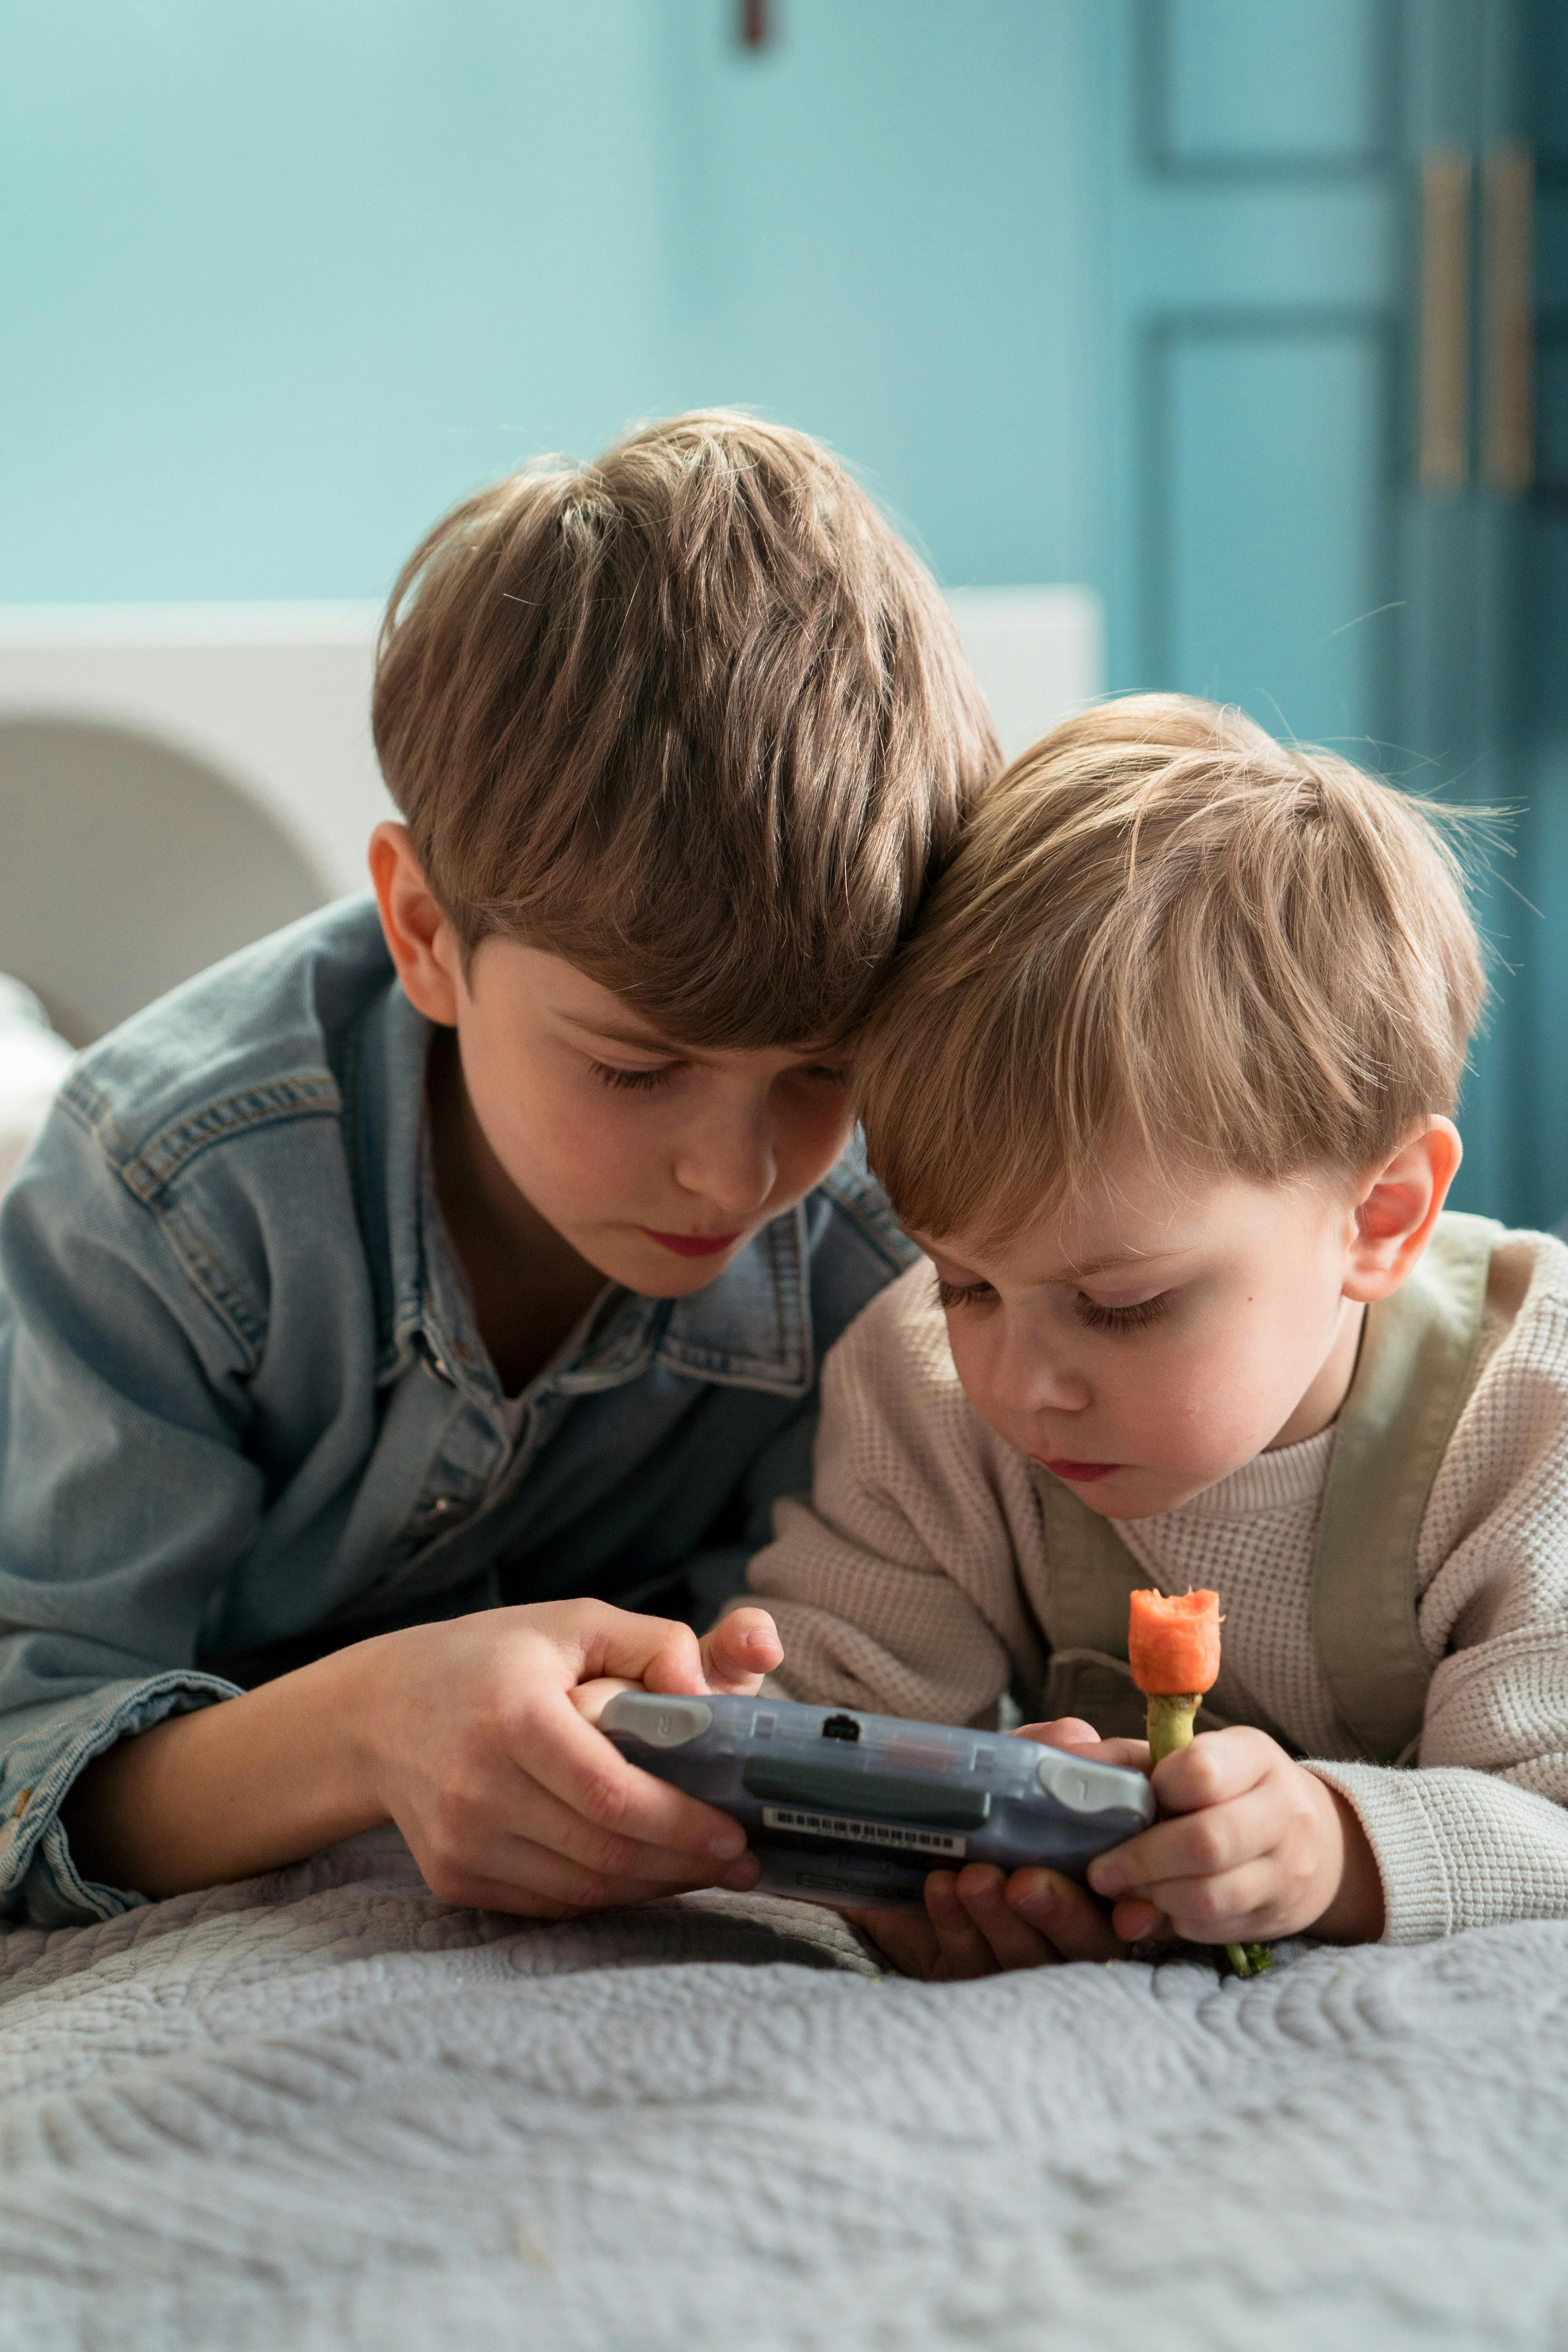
1444 320
1509 447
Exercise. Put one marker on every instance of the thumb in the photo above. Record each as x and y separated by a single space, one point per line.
591 1699
741 1649
657 1652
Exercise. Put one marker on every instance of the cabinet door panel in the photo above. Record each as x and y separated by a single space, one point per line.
1265 85
1275 583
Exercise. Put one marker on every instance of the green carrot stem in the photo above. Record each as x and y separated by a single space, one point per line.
1248 1959
1171 1723
1170 1727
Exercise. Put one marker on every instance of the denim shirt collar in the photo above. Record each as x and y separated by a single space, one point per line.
750 1328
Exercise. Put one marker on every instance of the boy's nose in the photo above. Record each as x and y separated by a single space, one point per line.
731 1166
1030 1383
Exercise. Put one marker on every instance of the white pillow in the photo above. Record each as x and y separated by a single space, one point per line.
33 1061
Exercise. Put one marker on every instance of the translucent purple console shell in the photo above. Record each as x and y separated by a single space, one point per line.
841 1807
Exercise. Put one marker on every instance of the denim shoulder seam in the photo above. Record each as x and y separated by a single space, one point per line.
147 1172
865 1207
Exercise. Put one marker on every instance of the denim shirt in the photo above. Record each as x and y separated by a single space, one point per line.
245 1411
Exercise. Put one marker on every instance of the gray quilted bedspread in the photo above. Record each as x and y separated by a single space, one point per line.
324 2111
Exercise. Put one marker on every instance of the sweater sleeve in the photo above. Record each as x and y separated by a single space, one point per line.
894 1583
1479 1834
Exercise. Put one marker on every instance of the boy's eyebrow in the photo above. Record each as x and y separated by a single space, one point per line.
1070 1272
647 1041
1113 1265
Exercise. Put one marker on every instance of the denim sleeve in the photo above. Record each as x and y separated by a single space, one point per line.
126 1496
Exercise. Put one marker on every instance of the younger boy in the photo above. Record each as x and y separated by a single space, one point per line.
381 1305
1163 1085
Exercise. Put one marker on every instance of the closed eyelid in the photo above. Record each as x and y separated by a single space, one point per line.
643 1078
1133 1317
962 1294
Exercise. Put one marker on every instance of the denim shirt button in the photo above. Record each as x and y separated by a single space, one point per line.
445 1508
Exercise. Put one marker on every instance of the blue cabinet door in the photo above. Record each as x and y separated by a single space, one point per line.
1305 504
1535 95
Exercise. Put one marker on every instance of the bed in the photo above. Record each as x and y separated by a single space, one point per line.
323 2109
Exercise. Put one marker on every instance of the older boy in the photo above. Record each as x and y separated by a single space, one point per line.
469 1257
1162 1084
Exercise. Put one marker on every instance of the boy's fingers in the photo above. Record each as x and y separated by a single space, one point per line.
1234 1908
1075 1927
654 1651
905 1937
741 1649
1193 1845
1012 1941
542 1819
1137 1922
577 1764
962 1950
1084 1740
1220 1764
1066 1732
591 1699
518 1873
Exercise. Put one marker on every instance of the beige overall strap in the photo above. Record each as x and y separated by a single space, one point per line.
1093 1576
1415 1374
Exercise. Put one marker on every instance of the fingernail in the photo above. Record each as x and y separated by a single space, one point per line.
1106 1879
742 1875
728 1844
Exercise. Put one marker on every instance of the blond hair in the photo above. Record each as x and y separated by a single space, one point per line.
1162 927
692 717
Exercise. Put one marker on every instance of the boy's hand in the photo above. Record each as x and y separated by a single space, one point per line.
472 1742
979 1920
734 1656
1259 1848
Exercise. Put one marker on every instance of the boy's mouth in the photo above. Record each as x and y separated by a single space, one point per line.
692 1244
1083 1471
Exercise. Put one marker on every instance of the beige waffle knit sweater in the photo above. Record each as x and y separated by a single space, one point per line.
915 1581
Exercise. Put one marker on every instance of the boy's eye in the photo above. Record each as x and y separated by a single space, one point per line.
640 1081
963 1294
1121 1319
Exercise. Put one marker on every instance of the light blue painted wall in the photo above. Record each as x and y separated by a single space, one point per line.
279 282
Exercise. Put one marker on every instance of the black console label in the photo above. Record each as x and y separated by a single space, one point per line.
898 1836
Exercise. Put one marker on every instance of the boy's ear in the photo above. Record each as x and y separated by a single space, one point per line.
419 938
1393 1219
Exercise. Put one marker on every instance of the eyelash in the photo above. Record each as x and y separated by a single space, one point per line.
646 1081
1088 1312
632 1081
1122 1318
963 1294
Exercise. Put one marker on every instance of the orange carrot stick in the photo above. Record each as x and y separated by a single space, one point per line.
1172 1648
1173 1642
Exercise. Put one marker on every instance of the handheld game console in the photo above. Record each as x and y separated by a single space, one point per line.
845 1808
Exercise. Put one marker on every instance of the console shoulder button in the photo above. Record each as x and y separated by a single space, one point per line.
662 1722
1081 1785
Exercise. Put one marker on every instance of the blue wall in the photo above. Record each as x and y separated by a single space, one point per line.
280 281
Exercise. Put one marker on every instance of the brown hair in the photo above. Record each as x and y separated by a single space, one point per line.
1162 927
692 717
